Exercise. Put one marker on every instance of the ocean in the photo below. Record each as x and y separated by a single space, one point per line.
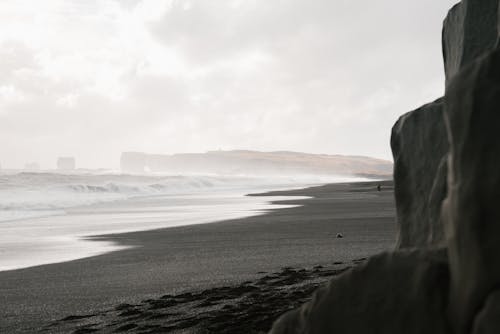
49 217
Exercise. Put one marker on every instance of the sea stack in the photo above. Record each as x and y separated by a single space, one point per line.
133 162
66 163
31 166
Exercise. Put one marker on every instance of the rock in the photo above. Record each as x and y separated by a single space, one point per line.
419 141
498 27
486 321
471 210
469 30
340 235
401 292
419 144
133 162
447 189
66 163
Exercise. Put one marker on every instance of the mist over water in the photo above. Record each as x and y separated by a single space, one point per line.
47 217
31 194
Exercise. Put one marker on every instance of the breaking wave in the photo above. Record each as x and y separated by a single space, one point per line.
25 194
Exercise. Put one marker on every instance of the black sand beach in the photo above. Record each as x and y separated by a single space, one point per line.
273 259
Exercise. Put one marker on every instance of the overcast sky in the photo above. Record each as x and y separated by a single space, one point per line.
93 78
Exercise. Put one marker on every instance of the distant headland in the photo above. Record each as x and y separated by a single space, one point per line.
255 163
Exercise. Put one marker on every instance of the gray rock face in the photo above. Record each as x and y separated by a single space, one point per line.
403 292
498 26
419 144
472 210
469 30
486 322
419 141
419 291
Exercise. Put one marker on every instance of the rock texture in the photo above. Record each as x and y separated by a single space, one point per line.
419 144
418 291
469 30
419 141
401 292
486 321
472 211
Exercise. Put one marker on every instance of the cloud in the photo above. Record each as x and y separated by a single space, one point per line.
94 78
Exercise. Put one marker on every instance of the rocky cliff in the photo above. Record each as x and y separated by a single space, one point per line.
469 30
419 140
471 210
255 163
419 145
447 188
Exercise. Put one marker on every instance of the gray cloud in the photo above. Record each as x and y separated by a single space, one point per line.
324 76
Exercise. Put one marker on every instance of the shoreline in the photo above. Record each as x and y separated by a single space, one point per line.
200 257
77 234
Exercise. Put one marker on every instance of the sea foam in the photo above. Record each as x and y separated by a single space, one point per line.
25 195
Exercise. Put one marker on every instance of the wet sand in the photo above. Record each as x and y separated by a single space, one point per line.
196 259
